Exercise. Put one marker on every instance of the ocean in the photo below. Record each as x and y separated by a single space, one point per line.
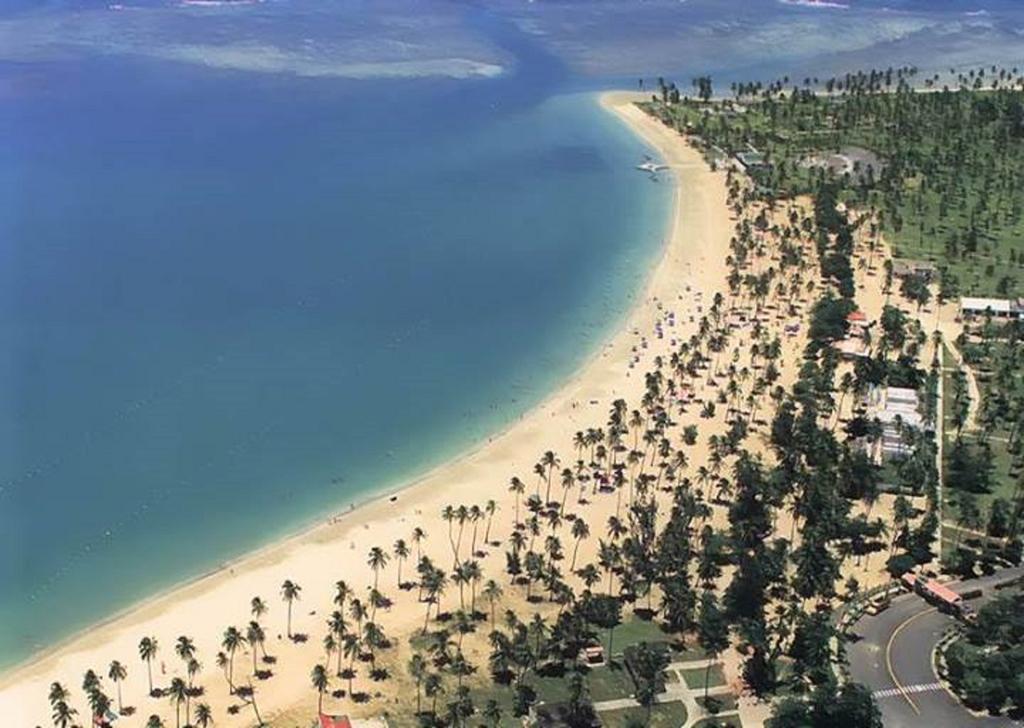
234 303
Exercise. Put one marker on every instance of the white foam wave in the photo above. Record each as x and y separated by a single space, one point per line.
272 59
828 4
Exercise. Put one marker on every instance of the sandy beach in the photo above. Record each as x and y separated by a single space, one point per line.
691 268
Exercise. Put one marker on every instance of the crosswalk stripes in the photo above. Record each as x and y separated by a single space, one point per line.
922 688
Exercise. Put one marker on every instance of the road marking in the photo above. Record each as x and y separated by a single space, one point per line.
888 658
923 688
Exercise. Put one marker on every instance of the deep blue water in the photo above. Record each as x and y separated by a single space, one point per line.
233 302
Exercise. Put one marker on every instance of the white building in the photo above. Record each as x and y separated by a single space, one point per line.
997 307
896 408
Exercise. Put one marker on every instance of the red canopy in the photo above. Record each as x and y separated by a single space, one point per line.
334 721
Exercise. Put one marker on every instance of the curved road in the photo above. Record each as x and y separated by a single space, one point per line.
893 657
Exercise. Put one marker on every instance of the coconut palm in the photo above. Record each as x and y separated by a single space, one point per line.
233 639
63 714
204 716
418 537
223 662
117 673
336 623
178 692
341 593
154 722
401 551
58 693
377 560
492 592
580 531
147 651
418 671
351 647
257 638
290 592
518 487
320 683
258 608
490 508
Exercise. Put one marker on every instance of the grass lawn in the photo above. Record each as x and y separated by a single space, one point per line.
632 631
663 715
1003 483
609 682
729 721
694 677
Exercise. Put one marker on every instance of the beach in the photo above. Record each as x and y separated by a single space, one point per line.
690 269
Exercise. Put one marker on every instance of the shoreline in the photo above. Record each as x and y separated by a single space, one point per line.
391 493
599 378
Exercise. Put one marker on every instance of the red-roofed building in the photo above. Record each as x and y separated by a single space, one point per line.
334 721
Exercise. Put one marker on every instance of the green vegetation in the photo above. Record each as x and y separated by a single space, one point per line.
694 677
666 715
943 169
983 461
986 665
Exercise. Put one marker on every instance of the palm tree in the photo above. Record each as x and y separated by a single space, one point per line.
492 592
258 607
63 714
418 536
58 693
336 624
193 669
433 687
224 663
341 593
233 639
185 648
418 670
290 592
179 694
401 552
154 722
204 716
117 673
257 637
518 487
147 651
580 531
320 684
377 560
490 508
351 648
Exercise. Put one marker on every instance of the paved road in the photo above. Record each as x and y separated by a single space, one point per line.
897 645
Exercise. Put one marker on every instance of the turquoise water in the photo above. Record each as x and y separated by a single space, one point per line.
232 303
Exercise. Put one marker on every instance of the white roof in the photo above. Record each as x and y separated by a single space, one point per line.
903 394
998 305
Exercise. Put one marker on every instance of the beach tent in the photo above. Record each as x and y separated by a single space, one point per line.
334 721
